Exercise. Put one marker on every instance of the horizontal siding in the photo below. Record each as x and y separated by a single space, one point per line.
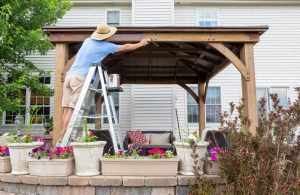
152 107
152 13
93 15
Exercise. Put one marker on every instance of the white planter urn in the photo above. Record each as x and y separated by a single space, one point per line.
184 152
18 155
5 166
87 157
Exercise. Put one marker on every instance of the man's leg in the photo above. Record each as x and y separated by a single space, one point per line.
66 119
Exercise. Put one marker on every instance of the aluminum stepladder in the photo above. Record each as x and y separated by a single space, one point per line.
95 75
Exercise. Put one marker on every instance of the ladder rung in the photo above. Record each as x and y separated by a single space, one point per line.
109 89
96 116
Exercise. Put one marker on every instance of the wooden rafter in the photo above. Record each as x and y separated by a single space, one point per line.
189 90
231 57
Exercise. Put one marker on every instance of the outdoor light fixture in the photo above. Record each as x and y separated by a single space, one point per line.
18 123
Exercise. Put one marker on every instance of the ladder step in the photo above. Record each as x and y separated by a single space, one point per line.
109 89
96 116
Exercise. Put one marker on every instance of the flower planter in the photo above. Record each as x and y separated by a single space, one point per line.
87 157
184 152
18 155
5 166
137 167
211 167
51 168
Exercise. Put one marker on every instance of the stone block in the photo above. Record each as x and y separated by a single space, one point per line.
7 177
29 179
78 181
11 187
163 191
102 190
106 181
182 190
47 190
53 181
133 181
184 180
160 181
130 191
28 189
72 190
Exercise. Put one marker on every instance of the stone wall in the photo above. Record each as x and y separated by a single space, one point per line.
97 185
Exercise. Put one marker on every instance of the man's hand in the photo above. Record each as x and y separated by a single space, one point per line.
145 42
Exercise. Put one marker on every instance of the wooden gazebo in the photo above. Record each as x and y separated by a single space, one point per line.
178 55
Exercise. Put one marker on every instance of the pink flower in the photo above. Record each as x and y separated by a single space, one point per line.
120 152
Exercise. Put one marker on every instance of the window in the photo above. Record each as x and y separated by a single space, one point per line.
113 18
213 106
209 17
265 92
116 99
30 99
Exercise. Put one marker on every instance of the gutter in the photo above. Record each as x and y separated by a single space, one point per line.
237 2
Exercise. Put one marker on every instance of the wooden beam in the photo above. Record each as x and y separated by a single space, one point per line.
203 37
189 90
155 56
201 107
168 80
249 87
205 91
232 57
219 68
61 57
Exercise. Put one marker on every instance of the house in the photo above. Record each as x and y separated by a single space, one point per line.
156 107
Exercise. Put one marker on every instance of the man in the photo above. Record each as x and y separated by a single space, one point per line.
93 50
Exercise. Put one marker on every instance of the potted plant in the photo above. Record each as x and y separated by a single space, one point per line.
211 163
162 163
48 125
86 152
44 161
184 151
5 166
20 146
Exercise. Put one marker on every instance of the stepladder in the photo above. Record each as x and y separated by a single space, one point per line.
96 82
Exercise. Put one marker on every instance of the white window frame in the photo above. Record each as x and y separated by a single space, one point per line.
207 9
27 105
269 89
108 10
221 104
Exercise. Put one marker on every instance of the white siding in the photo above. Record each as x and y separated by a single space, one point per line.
277 55
152 107
93 15
152 13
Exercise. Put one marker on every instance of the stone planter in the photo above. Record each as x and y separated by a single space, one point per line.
18 155
139 167
186 161
87 157
5 166
54 167
211 167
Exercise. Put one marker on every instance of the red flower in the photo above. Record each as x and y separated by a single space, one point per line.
156 150
91 134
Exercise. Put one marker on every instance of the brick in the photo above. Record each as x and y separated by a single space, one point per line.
7 177
133 181
47 190
1 186
78 181
28 189
11 187
56 181
163 191
182 190
103 191
129 191
29 179
106 181
70 190
184 180
160 181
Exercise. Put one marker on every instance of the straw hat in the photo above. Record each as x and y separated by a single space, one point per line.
103 31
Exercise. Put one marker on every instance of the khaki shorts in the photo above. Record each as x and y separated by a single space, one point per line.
71 90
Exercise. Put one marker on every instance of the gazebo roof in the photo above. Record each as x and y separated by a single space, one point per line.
176 55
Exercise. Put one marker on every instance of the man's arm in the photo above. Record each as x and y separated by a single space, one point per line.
131 47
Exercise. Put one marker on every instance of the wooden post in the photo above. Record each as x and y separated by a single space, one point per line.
201 107
61 58
249 86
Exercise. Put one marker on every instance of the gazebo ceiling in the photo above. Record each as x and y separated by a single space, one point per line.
176 55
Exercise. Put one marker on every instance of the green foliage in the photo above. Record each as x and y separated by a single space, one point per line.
88 136
21 34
